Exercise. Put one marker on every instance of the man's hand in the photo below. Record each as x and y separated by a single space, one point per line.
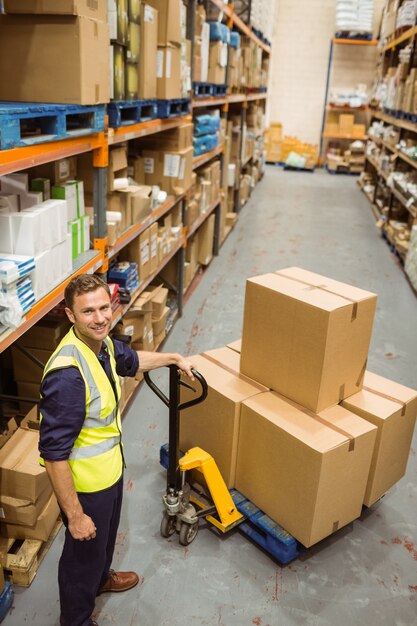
82 527
185 366
152 360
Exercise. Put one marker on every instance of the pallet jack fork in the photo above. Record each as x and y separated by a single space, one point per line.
182 509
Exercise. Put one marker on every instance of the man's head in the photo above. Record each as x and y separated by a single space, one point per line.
81 284
88 307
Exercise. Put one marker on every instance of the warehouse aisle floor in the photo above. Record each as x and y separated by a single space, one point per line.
364 574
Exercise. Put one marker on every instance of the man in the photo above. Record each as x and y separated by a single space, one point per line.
80 444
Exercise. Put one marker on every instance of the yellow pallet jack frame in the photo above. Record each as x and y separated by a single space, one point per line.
182 509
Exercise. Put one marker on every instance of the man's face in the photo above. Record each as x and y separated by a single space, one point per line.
91 315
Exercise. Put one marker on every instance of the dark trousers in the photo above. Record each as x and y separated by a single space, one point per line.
84 565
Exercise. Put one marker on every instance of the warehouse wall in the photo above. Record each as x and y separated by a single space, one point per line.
300 52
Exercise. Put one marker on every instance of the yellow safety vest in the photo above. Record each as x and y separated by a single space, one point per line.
96 460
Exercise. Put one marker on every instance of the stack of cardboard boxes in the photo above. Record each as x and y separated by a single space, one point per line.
296 422
345 124
29 509
350 161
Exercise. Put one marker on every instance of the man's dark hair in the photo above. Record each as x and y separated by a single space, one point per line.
83 283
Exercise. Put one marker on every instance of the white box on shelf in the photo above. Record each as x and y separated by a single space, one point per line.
6 233
9 202
15 183
27 233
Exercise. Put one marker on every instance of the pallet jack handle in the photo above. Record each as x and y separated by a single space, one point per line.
175 377
174 479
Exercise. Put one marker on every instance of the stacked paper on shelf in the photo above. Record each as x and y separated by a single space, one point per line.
16 291
14 266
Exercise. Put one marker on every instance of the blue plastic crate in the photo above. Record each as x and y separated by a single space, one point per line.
206 124
219 32
234 39
6 600
205 143
29 123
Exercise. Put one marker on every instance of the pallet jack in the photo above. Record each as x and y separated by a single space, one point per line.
183 509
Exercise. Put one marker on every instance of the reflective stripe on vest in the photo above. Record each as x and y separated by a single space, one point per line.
100 435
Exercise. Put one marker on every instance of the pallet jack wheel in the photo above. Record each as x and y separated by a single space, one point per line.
188 533
168 525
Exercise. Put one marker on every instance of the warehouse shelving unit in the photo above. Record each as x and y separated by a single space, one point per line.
387 200
329 110
97 259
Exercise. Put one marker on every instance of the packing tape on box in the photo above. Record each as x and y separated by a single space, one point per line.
324 288
291 402
234 372
318 418
387 397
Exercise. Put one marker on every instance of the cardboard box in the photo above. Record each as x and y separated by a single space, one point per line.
148 52
117 168
19 511
307 472
217 63
10 428
158 339
169 21
346 122
134 324
306 336
87 8
171 171
24 369
168 72
77 75
206 240
21 475
392 408
43 527
214 424
159 325
46 334
153 247
159 300
141 204
176 139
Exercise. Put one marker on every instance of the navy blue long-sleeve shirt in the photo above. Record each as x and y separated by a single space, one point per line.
63 401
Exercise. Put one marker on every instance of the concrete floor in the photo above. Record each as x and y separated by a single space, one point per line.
364 574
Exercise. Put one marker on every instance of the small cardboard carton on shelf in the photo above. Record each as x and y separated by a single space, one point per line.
214 424
206 240
306 336
308 472
392 408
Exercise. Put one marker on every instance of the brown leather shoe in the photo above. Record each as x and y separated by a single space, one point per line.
119 581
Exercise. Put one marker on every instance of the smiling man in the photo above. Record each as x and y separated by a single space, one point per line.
81 444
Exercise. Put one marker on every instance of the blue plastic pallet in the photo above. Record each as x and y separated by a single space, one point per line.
6 600
174 108
257 526
25 124
202 90
264 531
126 112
